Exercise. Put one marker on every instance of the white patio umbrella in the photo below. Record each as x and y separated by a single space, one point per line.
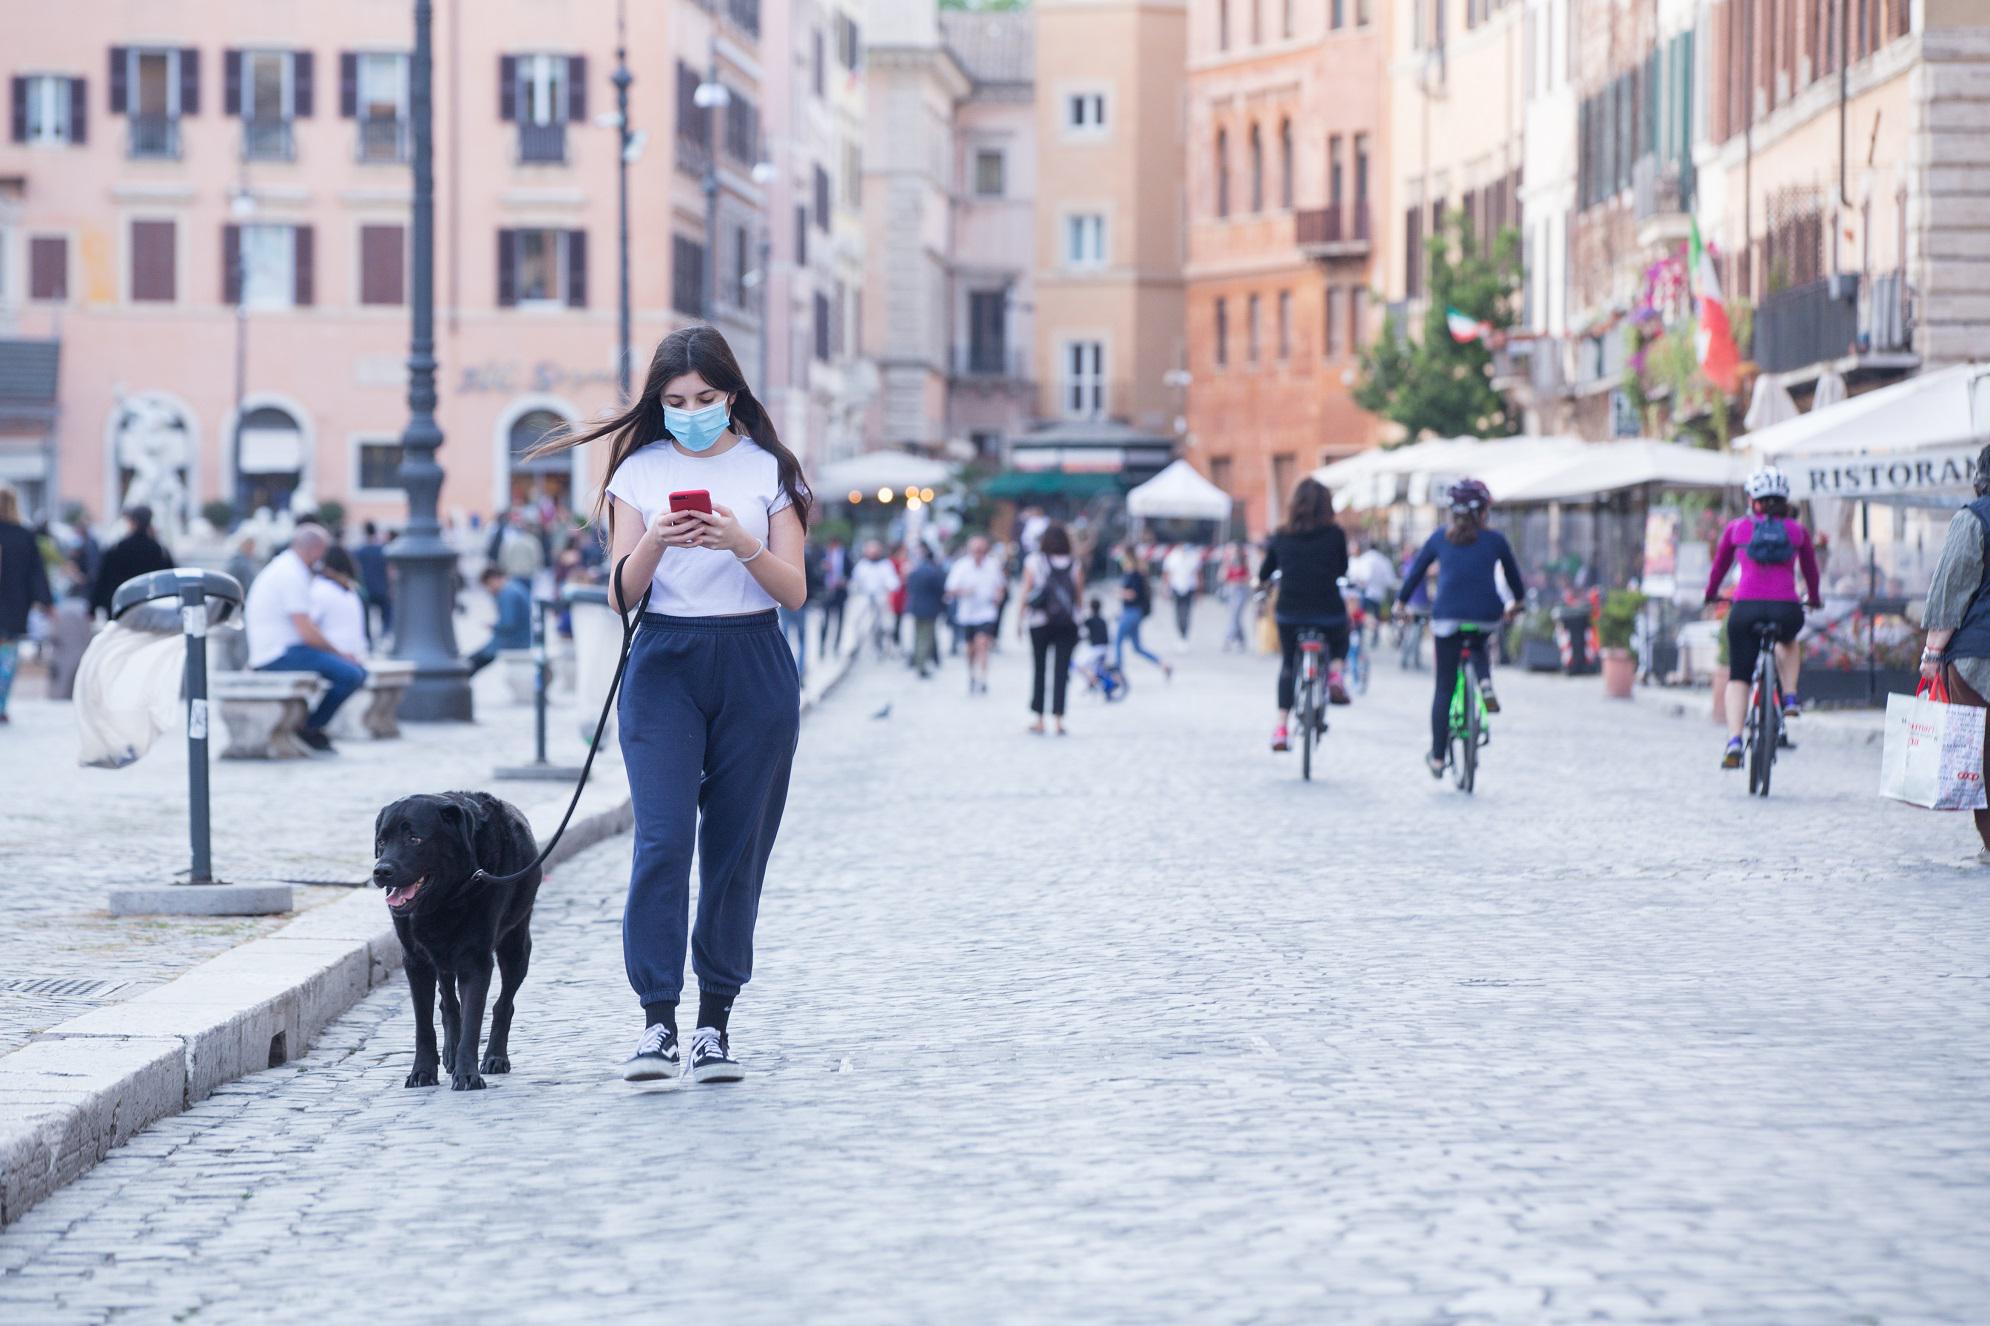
1178 492
873 470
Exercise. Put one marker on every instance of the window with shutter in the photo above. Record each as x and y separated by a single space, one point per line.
822 326
48 268
687 276
822 200
153 265
576 269
382 264
507 268
303 257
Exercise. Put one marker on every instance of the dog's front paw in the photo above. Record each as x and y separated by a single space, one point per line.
421 1077
497 1063
465 1082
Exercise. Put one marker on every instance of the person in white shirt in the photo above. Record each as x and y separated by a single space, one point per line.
284 638
873 581
976 586
1182 569
336 607
711 701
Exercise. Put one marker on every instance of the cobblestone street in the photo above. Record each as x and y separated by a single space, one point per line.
1135 1026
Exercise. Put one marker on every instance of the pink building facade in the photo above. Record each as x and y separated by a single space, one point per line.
205 206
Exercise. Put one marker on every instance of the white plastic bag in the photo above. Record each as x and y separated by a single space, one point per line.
127 693
1933 755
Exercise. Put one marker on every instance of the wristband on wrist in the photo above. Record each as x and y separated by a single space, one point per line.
756 552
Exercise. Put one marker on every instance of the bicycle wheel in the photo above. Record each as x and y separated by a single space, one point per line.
1357 664
1465 768
1765 717
1308 726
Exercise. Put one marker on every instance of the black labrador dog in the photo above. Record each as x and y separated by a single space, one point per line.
428 850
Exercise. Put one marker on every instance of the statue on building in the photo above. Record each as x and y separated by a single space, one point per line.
152 441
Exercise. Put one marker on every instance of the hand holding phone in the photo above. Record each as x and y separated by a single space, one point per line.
692 499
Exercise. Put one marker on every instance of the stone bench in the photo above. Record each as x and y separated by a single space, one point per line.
264 712
374 711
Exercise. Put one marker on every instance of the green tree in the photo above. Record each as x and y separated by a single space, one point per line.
1438 385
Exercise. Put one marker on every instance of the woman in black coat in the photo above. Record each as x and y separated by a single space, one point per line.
137 553
23 585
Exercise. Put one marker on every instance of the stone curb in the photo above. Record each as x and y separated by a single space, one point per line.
90 1084
1821 726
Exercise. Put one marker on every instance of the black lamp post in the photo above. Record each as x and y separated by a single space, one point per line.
424 582
624 140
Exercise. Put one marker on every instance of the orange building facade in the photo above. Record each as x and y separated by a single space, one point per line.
1285 178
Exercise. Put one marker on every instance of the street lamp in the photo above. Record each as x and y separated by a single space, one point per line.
622 158
712 96
424 583
241 206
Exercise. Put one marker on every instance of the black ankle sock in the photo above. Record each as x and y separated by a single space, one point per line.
714 1009
664 1013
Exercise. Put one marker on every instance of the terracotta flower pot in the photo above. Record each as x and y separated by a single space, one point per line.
1720 694
1620 673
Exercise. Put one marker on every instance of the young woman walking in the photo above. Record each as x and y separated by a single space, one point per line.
1053 587
711 703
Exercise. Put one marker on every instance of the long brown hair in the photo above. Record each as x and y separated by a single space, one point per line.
1312 507
701 350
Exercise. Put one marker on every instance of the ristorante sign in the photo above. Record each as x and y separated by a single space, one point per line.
1944 470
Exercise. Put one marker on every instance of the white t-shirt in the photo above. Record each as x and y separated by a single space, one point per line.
704 582
340 616
282 590
1183 568
874 579
979 587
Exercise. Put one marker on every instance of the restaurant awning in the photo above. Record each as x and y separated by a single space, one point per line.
881 469
1019 485
1597 468
1179 493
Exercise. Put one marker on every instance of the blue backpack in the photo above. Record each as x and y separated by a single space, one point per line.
1769 544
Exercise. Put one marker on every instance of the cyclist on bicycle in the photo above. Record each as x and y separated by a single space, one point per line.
1770 544
1309 555
1466 552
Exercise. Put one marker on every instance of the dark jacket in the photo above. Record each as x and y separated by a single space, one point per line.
23 579
926 591
371 559
1310 566
514 619
133 555
1465 589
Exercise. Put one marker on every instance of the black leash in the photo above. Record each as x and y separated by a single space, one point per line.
601 725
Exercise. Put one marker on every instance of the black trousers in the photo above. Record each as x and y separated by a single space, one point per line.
832 619
1448 649
1288 653
1051 647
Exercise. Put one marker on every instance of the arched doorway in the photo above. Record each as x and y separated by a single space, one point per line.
535 482
269 460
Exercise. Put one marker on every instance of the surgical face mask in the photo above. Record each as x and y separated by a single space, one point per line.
696 430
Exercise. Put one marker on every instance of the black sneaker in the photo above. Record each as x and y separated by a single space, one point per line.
1491 697
711 1057
655 1057
315 738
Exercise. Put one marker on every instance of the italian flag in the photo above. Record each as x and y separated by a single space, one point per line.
1714 340
1464 329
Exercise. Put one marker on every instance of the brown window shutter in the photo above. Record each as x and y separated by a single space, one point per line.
348 84
303 276
301 89
19 99
79 110
120 65
382 265
189 81
48 267
577 89
576 269
507 268
231 82
507 87
152 275
231 264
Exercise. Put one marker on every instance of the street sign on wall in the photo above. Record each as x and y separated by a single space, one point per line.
1904 474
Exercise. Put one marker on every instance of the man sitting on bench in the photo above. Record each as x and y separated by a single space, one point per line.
282 637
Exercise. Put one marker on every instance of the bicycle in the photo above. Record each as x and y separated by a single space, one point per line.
1309 699
1469 734
1358 644
1763 728
1409 640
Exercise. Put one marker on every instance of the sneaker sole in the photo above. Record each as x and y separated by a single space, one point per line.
718 1073
651 1070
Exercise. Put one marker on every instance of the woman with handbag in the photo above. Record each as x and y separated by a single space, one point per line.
1957 618
1053 587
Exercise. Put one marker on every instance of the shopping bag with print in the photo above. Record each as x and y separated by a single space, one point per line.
1933 755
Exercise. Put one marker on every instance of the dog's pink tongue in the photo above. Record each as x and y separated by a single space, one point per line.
395 897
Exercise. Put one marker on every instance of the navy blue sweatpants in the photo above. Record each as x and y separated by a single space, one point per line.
709 715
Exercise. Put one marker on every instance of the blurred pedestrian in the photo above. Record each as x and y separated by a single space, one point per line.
1236 596
926 598
337 607
835 596
284 638
1053 587
1136 602
1182 570
242 566
371 558
872 583
23 588
1957 616
513 629
977 585
138 553
519 550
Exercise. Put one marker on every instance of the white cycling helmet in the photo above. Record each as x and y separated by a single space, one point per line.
1768 482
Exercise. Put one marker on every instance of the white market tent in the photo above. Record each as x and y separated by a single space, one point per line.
881 469
1938 409
1178 492
1608 467
1378 478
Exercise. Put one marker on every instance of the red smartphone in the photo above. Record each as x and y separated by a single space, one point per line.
693 499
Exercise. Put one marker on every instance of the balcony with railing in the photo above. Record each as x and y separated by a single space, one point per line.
383 138
268 139
1822 323
991 365
1662 201
745 15
1338 230
542 144
694 156
154 136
